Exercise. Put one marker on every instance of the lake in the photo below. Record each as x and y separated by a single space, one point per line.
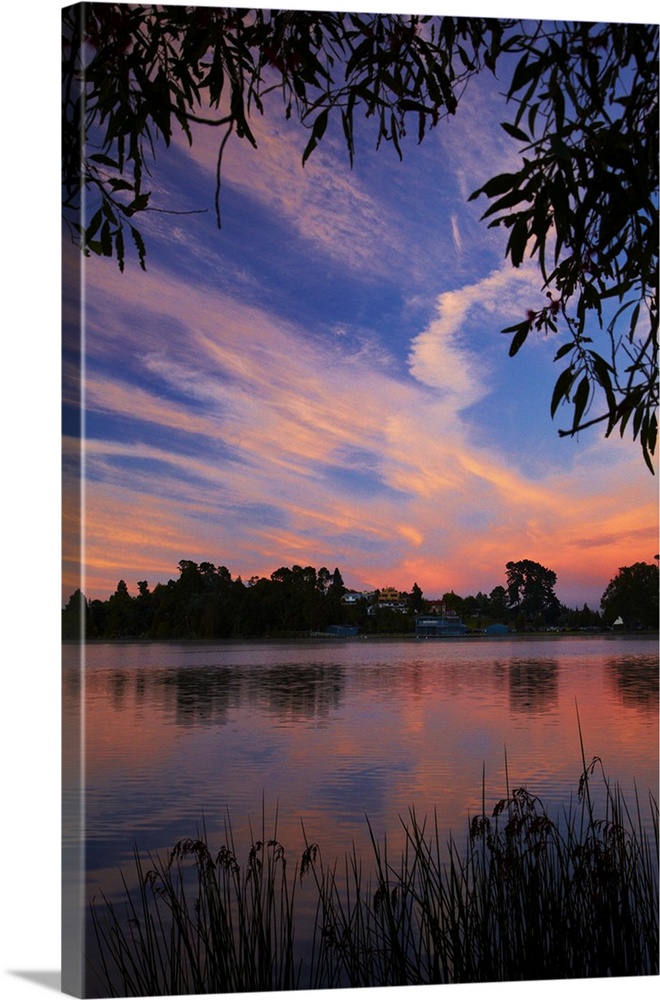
329 731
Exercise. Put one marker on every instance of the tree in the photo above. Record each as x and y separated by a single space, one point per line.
530 590
337 586
143 608
497 603
453 603
74 616
121 616
633 595
584 202
416 602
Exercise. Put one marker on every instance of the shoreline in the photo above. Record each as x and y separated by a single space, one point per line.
314 638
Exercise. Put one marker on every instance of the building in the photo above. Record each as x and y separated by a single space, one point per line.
497 630
389 595
354 596
437 626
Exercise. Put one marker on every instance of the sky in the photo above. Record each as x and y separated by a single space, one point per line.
324 382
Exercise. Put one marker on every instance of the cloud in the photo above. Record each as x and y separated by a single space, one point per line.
254 443
439 357
221 431
322 202
456 235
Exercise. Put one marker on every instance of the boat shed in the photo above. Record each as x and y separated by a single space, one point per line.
497 630
436 626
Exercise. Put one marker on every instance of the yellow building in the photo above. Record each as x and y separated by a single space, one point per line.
389 595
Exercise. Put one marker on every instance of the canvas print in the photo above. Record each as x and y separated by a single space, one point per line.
360 572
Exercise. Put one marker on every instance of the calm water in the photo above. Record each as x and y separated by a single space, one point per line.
330 731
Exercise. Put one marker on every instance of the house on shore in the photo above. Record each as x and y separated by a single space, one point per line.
437 626
355 596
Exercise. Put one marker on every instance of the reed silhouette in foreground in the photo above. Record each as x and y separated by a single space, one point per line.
527 897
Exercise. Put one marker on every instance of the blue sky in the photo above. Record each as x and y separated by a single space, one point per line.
324 381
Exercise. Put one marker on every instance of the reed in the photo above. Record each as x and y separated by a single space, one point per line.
527 897
201 923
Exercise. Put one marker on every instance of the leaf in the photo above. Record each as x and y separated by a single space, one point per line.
517 242
496 186
106 161
318 130
141 249
106 240
138 204
524 72
580 401
563 350
521 332
514 132
118 184
531 117
507 201
465 59
562 388
119 247
94 225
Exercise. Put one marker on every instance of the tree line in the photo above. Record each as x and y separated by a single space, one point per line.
205 602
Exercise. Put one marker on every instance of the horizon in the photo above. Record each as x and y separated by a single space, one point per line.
363 588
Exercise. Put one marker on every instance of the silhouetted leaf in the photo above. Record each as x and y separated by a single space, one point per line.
562 388
514 132
580 400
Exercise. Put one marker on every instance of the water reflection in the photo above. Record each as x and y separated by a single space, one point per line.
199 695
635 679
330 729
330 732
298 692
533 685
119 689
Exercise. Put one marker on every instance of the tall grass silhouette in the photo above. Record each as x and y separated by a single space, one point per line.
526 897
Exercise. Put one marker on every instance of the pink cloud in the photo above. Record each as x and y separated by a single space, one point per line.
281 421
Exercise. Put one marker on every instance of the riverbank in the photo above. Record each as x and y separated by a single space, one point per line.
373 637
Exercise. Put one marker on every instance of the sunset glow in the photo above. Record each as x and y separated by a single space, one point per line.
324 381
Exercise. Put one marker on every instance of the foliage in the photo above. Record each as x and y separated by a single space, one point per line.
205 602
530 589
529 897
633 595
74 616
584 202
133 75
416 602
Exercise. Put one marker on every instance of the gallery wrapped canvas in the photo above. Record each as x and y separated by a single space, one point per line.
360 593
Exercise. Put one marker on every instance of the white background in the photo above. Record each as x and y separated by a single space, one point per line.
30 554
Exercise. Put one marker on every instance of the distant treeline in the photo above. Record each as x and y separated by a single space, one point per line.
205 602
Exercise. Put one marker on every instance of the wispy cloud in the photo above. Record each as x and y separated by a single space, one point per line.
322 203
456 235
439 356
254 442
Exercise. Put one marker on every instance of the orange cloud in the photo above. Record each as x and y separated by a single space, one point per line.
299 449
